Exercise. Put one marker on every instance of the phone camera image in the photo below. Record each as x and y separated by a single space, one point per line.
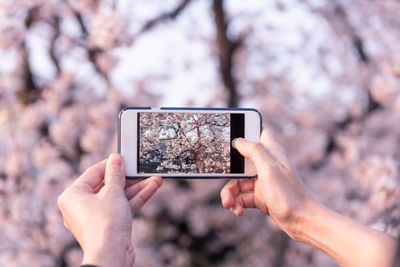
184 142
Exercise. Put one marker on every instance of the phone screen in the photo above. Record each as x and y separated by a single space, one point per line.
187 142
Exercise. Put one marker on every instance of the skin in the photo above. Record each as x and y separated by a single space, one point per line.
279 192
98 209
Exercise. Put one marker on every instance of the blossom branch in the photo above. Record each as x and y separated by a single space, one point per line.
226 50
370 106
29 90
52 52
170 15
357 41
91 52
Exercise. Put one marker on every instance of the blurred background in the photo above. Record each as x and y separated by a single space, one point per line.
325 75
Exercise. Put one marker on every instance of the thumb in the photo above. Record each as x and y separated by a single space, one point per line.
115 175
255 151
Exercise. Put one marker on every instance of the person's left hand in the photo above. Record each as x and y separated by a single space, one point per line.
98 209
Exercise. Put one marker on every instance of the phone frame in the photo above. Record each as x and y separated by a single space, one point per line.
182 110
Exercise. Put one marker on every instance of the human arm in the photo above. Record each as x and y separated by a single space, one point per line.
98 208
279 192
348 242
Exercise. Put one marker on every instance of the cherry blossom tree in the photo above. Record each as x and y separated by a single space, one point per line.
184 142
324 74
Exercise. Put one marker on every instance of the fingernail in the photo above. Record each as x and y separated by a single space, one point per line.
159 181
223 199
116 160
239 141
236 141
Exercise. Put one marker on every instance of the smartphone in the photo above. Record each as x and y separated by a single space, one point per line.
186 142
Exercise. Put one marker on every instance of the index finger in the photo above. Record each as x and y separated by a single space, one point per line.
233 188
92 177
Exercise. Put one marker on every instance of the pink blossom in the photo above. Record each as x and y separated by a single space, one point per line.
106 62
44 153
397 105
103 114
383 88
11 32
52 179
93 139
86 6
16 163
109 29
58 92
63 134
33 116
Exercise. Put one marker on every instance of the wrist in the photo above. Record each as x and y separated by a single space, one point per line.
109 254
303 220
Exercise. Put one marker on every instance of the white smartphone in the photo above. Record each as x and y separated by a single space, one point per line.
186 142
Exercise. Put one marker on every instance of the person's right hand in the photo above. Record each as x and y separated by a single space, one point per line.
277 190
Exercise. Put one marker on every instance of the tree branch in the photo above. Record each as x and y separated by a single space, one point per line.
62 258
30 88
356 39
92 52
226 50
171 15
52 52
331 144
29 91
371 104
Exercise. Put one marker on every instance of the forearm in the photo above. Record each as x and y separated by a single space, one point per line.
346 241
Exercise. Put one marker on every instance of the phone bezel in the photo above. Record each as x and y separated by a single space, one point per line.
131 157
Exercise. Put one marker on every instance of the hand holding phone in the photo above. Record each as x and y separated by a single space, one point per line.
102 195
186 143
